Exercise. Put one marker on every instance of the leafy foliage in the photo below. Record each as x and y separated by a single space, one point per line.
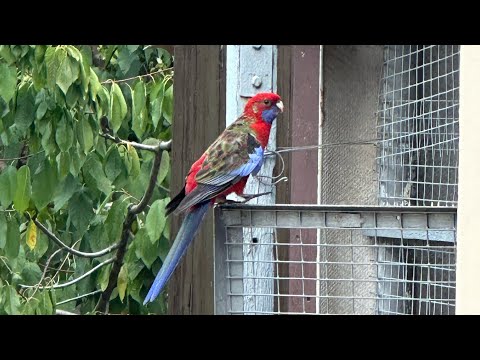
56 167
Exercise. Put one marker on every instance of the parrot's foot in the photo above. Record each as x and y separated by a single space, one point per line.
234 198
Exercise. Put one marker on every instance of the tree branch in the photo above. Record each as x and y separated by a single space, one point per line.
137 77
137 209
21 157
63 312
102 305
63 246
74 281
164 145
79 297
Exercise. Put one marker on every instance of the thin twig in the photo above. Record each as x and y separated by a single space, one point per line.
79 297
22 157
37 286
74 281
65 247
63 312
164 145
137 77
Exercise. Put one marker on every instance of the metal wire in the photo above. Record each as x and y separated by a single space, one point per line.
418 125
371 261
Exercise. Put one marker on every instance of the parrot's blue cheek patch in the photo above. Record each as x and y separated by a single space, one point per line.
270 114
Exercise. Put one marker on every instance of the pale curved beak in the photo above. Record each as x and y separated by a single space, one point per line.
280 105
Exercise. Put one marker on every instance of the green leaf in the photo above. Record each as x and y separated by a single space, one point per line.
31 273
8 183
115 218
42 245
97 237
139 97
118 107
44 185
168 104
96 175
163 247
122 281
12 301
145 249
64 134
78 158
132 48
113 163
23 190
164 167
103 276
134 268
48 141
45 307
8 74
65 191
63 164
125 60
3 230
139 122
41 110
67 73
134 288
12 245
135 170
155 221
80 210
84 135
73 95
156 102
74 52
40 53
25 112
95 85
54 56
6 54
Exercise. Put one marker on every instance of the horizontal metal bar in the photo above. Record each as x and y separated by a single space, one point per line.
351 297
306 262
441 249
438 283
339 208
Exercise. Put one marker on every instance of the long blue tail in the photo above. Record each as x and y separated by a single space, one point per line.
185 235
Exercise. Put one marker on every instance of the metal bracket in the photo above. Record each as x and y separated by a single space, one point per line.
256 65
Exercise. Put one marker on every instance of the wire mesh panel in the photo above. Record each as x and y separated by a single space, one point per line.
345 268
418 125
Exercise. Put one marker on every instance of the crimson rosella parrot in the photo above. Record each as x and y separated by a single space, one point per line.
223 169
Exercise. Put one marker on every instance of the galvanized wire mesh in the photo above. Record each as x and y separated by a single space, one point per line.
418 125
335 260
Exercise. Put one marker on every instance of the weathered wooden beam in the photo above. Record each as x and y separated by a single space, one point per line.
199 117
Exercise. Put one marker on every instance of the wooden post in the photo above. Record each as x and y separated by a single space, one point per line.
298 84
468 244
199 117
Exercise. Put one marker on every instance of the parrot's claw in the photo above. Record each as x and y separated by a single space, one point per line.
234 198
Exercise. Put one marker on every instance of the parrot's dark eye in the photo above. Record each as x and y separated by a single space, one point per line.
266 102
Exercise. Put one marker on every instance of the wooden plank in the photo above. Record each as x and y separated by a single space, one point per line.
199 117
298 85
284 139
304 176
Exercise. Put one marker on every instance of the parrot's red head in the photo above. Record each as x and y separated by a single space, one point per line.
264 106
